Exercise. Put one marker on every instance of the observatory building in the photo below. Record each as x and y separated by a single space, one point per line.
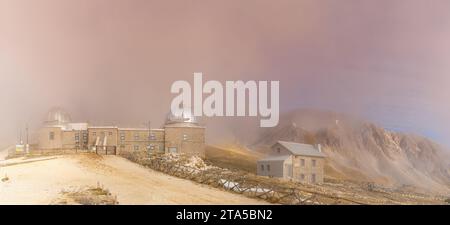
181 134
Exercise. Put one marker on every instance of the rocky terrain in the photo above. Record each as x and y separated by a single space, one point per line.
71 179
234 178
362 151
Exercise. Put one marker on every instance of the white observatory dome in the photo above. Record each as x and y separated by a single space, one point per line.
186 117
58 116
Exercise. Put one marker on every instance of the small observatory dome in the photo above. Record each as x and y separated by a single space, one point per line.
58 116
186 117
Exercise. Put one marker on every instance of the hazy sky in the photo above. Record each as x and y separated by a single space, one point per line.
114 60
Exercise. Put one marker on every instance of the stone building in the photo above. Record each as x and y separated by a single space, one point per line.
179 135
293 161
141 139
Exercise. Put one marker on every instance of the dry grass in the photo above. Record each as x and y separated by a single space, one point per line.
232 158
87 196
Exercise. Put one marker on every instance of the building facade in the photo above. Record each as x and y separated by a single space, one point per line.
293 161
179 135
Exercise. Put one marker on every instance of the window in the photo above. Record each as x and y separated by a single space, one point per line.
185 137
122 136
262 167
314 163
278 150
94 133
136 147
268 167
110 133
151 147
151 137
302 162
51 135
136 136
302 176
313 178
77 137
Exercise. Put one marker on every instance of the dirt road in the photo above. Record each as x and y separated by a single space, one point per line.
41 182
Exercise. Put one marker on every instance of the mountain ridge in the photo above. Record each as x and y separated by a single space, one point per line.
360 150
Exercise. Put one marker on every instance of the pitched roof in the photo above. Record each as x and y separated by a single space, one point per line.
301 149
275 158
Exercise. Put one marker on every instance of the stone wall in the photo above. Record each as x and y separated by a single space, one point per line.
307 169
109 133
50 138
131 140
185 140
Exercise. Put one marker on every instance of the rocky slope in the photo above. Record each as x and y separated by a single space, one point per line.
360 150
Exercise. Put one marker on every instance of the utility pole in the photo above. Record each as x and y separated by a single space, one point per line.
27 146
26 130
20 136
149 135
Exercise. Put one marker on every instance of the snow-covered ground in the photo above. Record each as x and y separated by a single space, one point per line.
41 182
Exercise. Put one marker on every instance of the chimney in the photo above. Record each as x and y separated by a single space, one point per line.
319 147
